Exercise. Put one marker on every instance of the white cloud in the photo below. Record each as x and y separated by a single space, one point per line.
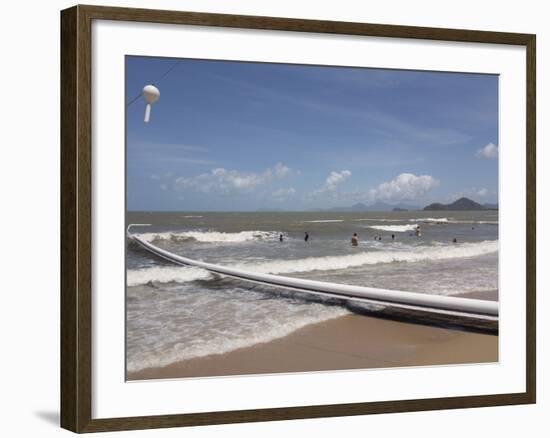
336 178
482 192
489 151
283 194
231 181
281 170
406 187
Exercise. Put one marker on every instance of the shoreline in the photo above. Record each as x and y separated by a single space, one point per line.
348 342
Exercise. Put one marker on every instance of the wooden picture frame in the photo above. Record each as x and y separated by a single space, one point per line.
76 217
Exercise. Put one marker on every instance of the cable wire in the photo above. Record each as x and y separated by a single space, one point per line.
156 82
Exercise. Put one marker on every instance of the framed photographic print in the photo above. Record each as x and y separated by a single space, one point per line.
269 218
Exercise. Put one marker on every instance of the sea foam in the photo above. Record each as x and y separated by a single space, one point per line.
324 221
189 325
395 228
166 274
439 220
211 236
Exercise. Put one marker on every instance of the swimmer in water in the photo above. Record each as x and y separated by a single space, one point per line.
306 237
280 237
354 240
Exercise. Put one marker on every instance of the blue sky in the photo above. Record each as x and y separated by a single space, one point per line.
242 136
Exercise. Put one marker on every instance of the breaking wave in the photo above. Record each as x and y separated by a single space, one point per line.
322 221
418 254
437 220
475 222
247 322
444 220
165 274
395 228
377 220
210 236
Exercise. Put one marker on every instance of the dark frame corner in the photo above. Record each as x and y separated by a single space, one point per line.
76 172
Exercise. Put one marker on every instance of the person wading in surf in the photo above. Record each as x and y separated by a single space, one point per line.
306 237
354 240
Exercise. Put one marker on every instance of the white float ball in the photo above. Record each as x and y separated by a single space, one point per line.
151 93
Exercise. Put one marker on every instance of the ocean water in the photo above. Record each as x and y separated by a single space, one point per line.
175 313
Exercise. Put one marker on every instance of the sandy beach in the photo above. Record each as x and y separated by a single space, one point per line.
348 342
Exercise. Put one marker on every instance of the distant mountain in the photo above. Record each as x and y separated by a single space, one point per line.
378 206
266 210
355 207
358 207
490 206
459 204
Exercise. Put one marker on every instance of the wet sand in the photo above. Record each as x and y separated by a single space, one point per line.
350 342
